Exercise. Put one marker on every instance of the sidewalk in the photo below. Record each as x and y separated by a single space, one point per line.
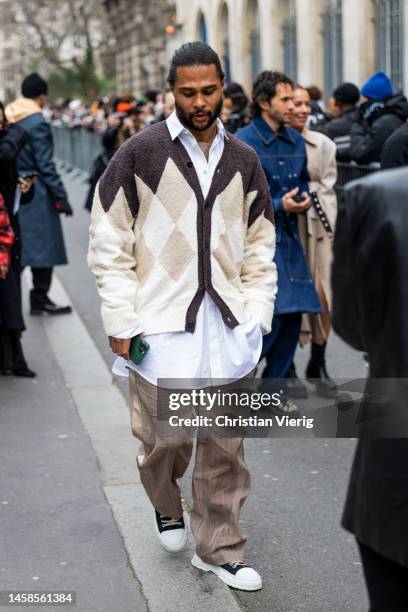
57 530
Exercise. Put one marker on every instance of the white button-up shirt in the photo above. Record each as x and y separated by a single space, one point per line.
213 350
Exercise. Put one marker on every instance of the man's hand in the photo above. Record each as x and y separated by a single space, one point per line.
121 347
3 271
65 208
290 205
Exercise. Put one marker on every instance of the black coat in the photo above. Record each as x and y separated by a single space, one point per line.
43 240
339 130
370 306
377 121
395 152
11 142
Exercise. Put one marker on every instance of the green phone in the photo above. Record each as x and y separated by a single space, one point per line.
138 349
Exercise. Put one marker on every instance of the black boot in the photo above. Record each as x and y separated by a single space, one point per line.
19 367
41 304
294 386
316 372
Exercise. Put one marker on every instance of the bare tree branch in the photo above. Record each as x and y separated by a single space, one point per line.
60 31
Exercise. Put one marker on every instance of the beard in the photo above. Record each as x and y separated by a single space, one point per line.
187 119
278 116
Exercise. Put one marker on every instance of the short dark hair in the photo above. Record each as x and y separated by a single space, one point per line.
314 92
34 86
264 88
347 93
194 54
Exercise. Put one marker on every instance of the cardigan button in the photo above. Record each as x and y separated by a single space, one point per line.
190 326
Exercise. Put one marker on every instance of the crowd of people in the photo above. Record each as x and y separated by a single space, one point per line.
266 286
359 121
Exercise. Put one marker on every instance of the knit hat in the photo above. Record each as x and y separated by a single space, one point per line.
347 93
34 86
377 87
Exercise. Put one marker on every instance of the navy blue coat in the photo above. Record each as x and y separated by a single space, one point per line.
42 237
283 158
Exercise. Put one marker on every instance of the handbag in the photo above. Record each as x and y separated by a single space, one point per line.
321 214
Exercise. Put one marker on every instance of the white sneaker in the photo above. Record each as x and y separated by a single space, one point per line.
172 533
236 575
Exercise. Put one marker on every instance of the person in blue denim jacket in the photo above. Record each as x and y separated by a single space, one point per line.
283 157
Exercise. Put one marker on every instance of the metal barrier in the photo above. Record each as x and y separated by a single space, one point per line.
350 172
76 146
79 147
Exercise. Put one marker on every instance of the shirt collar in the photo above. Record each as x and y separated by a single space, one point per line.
268 135
176 128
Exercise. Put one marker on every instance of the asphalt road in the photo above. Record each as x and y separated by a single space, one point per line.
292 517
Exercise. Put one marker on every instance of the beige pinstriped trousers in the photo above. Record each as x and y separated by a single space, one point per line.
221 480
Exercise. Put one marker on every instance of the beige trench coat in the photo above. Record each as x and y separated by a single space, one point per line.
321 163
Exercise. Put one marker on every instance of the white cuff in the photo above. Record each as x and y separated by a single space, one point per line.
130 333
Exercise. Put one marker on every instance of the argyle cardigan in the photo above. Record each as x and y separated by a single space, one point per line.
156 246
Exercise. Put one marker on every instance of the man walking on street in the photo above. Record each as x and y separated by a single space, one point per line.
42 237
182 245
283 157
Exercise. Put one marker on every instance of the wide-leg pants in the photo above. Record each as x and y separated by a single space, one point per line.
221 480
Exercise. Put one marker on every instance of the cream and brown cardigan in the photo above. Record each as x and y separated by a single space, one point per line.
156 245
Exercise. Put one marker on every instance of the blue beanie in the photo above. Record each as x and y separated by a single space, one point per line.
377 87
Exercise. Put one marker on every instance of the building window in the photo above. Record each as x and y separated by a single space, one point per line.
332 45
202 29
389 24
254 38
224 42
290 42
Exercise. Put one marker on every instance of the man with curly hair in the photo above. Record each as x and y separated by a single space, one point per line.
283 157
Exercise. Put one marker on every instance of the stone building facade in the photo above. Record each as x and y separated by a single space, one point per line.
319 42
141 42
